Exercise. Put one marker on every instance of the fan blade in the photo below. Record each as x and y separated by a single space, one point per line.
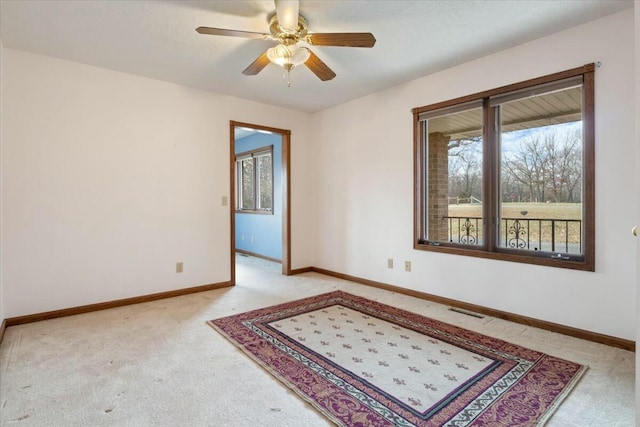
319 68
257 65
287 11
232 33
341 39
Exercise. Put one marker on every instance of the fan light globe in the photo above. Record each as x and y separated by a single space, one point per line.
288 56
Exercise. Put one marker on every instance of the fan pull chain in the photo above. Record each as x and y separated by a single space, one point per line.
286 76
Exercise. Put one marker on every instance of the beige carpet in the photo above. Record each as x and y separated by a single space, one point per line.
160 364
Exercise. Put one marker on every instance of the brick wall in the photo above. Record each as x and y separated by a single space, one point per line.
438 180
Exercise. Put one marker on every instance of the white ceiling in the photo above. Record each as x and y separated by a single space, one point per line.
157 39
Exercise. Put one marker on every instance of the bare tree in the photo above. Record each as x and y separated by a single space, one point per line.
464 175
546 166
465 167
463 144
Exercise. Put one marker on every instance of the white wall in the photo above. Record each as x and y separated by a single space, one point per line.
364 156
1 127
636 8
110 179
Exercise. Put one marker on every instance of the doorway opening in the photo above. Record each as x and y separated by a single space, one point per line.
260 194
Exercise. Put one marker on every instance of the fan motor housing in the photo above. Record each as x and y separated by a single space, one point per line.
288 37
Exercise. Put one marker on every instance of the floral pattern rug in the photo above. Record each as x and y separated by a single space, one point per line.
363 363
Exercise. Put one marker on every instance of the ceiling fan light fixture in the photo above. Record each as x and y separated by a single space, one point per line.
289 28
288 56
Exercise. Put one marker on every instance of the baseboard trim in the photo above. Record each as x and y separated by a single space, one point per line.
37 317
529 321
3 327
301 270
256 255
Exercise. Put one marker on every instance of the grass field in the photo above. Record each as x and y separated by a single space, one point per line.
534 231
534 210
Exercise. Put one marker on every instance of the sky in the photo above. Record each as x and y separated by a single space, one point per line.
511 140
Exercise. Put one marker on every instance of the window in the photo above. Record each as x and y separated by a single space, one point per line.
254 178
509 173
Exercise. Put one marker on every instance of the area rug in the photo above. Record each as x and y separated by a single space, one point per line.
363 363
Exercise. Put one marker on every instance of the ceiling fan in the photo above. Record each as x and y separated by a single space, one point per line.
290 30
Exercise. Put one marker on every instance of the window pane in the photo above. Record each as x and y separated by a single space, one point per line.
265 174
248 183
454 178
541 173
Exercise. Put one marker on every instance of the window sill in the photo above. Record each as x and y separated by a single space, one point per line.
247 211
505 255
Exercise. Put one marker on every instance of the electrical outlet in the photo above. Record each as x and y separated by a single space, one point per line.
407 266
179 267
390 263
225 200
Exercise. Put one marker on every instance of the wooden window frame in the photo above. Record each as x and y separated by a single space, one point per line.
490 248
258 152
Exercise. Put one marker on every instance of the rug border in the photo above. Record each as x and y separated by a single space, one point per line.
571 385
289 385
544 418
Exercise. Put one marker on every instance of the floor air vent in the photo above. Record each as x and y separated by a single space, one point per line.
468 313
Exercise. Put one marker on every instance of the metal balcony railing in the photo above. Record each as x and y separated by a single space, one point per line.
536 234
